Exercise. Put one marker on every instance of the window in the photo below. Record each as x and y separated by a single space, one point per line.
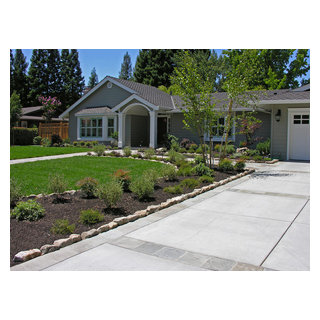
301 119
110 127
218 128
91 127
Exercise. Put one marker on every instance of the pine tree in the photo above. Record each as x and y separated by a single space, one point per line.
54 73
19 77
93 80
126 68
38 76
65 76
11 72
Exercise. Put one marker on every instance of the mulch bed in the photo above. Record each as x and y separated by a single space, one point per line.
25 235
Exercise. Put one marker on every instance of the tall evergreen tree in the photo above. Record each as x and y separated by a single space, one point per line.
93 80
65 75
11 72
38 76
19 77
54 73
126 68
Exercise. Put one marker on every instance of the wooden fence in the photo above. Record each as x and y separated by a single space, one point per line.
46 130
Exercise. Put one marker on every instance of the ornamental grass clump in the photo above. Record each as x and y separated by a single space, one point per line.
127 151
169 173
99 149
110 192
152 175
178 189
29 210
206 179
15 192
190 183
149 153
202 170
240 165
142 187
57 183
90 216
185 170
62 226
88 187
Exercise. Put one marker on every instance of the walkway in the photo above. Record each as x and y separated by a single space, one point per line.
259 222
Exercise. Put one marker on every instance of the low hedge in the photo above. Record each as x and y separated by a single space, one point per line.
23 136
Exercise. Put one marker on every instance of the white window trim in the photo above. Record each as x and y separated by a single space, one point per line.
104 128
168 120
218 138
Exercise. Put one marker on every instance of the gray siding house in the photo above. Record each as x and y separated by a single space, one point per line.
142 115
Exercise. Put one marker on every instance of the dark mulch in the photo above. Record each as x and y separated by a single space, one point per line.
25 235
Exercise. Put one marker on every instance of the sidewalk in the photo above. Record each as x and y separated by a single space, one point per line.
60 156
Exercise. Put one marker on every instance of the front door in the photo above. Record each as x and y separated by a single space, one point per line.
162 131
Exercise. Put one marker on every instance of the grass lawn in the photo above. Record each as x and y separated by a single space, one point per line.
34 176
23 152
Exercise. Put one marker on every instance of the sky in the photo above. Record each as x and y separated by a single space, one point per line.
106 61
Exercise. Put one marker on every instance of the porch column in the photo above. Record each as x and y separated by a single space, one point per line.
121 135
153 129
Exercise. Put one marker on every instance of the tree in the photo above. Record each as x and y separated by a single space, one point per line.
48 107
54 72
271 68
37 76
93 80
19 77
195 90
15 111
11 72
248 124
126 68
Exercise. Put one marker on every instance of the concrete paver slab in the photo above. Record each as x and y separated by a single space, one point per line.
293 251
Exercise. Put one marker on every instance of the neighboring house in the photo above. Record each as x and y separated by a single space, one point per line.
143 115
32 116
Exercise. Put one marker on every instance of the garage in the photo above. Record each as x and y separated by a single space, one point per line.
298 134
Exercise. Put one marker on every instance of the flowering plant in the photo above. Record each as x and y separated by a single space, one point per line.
49 105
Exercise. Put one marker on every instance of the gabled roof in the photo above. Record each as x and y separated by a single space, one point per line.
96 110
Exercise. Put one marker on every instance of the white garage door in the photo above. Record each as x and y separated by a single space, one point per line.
299 134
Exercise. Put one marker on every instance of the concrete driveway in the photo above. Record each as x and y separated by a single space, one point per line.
259 222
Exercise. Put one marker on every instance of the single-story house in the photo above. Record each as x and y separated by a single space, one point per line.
32 116
142 115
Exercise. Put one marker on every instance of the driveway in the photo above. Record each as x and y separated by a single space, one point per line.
259 222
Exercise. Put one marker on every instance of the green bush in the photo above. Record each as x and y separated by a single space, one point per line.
29 210
75 143
15 192
193 147
252 153
225 165
45 142
110 192
258 158
127 151
169 173
62 226
23 136
94 143
185 170
90 216
56 139
57 183
88 144
177 189
240 165
204 179
202 170
174 144
123 178
198 159
175 157
190 183
152 174
99 149
230 149
182 150
37 140
66 141
142 187
149 153
263 147
88 187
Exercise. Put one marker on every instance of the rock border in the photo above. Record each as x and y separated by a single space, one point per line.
23 256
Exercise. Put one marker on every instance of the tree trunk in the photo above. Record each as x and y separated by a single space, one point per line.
227 128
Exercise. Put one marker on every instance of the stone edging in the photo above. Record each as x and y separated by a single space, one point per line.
23 256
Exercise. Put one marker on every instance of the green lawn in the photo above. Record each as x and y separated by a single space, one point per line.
23 152
33 176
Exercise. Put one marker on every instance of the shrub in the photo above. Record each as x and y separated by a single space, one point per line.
23 136
45 142
127 151
88 187
28 210
75 143
99 149
37 140
110 192
169 173
186 143
149 153
175 156
178 189
152 174
94 143
202 170
56 145
66 141
198 159
62 226
263 147
182 150
258 158
57 183
225 165
142 187
252 153
174 144
90 216
55 138
185 170
204 179
240 165
193 147
190 183
88 144
237 155
123 178
15 192
229 149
